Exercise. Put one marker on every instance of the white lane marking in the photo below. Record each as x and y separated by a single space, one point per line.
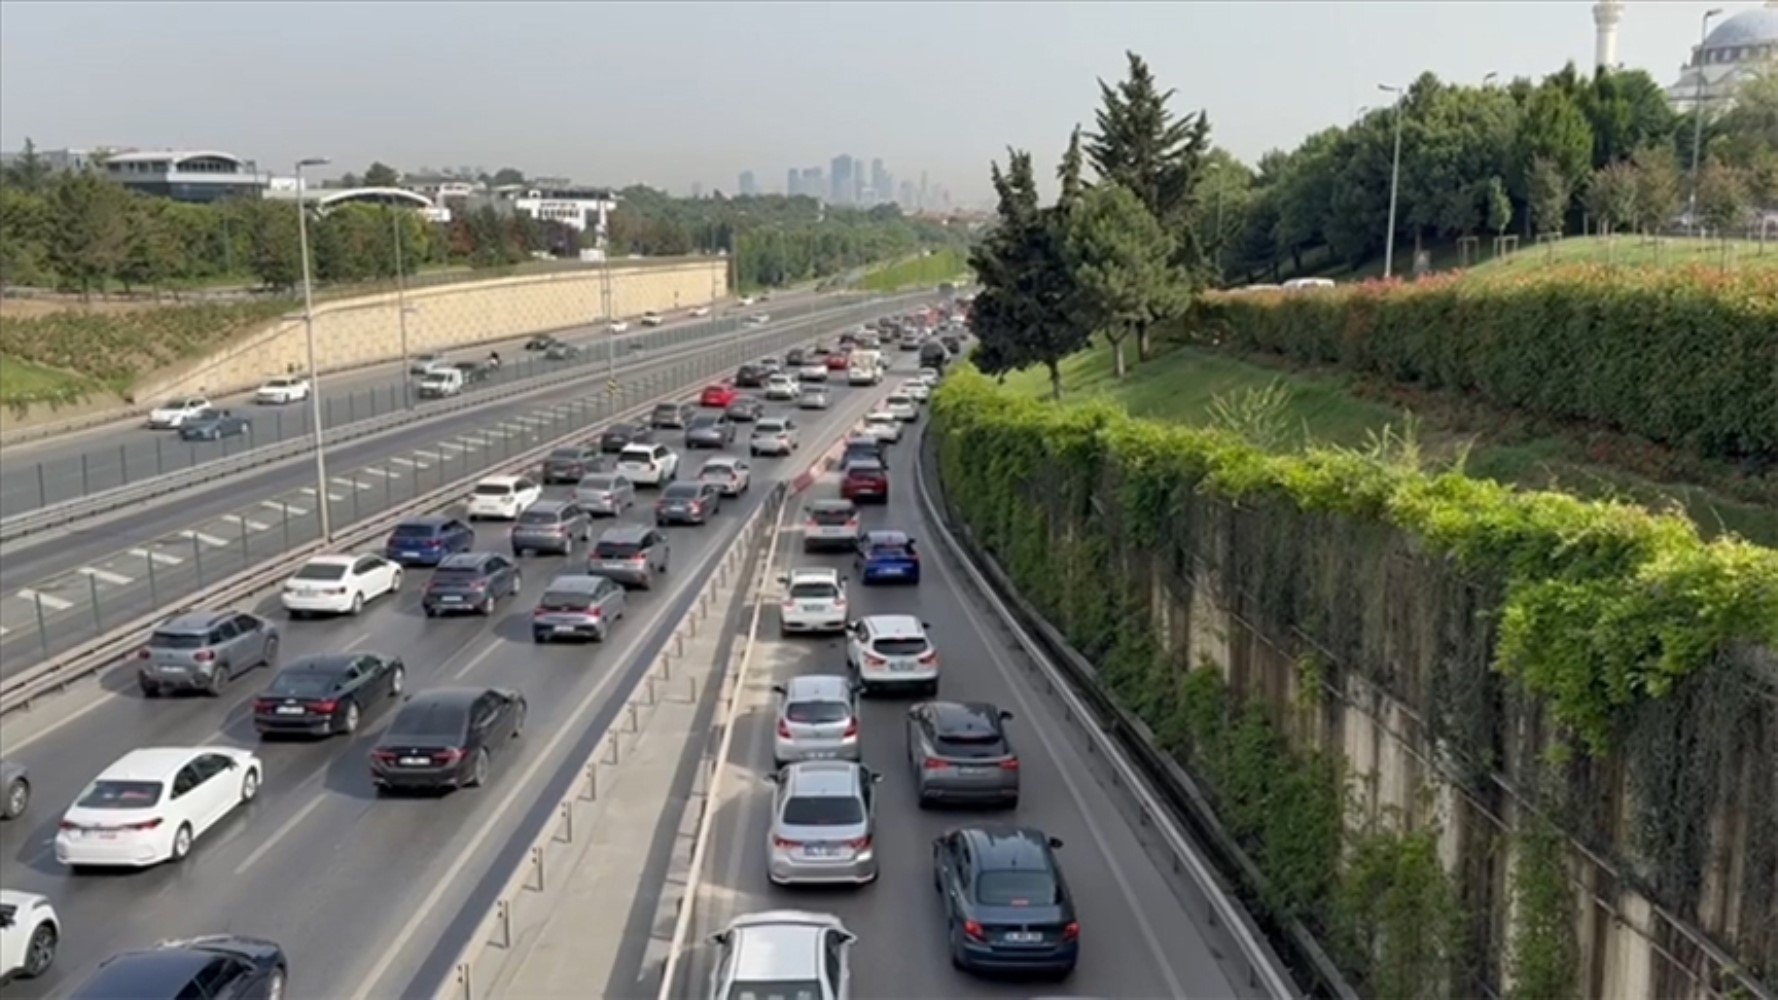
164 558
447 446
307 491
336 497
4 630
49 601
403 462
251 524
379 473
478 658
292 508
106 576
342 481
280 833
348 647
430 455
494 432
210 540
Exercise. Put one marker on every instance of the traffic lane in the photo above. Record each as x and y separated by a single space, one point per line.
317 840
1136 939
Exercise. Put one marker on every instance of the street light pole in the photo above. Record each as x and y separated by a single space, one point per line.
401 309
1698 117
1394 181
302 233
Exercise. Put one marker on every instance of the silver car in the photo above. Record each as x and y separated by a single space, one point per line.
958 752
817 720
773 436
815 397
556 526
605 493
15 789
202 650
823 824
577 606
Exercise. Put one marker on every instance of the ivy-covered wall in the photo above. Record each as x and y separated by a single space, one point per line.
1480 741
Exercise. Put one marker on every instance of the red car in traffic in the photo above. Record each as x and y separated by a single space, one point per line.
865 479
721 396
838 361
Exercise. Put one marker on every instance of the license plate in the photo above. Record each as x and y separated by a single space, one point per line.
1023 937
823 754
450 598
564 628
415 761
103 834
409 555
290 710
821 851
901 667
891 570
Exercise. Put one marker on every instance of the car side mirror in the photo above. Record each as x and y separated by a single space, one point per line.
1055 843
720 937
925 624
778 688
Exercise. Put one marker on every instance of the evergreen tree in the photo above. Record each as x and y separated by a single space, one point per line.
92 229
381 174
1658 195
1123 268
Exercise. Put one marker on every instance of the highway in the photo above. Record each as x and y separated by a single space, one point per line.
70 465
359 890
1137 940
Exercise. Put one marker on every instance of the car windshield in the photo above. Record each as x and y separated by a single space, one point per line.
414 531
813 591
492 490
817 711
702 422
110 794
720 471
436 377
900 647
770 427
540 517
666 410
426 720
1017 888
898 401
301 684
822 810
320 571
620 430
565 600
776 989
616 550
885 550
177 640
597 483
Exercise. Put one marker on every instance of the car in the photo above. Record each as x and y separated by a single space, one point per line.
577 606
814 397
572 464
631 554
339 584
553 526
618 326
444 738
817 720
865 479
773 436
902 407
771 365
648 464
783 388
751 375
219 966
29 933
934 353
617 436
814 601
152 804
1006 905
15 789
830 524
746 300
839 362
953 344
203 650
917 390
438 383
718 396
959 752
172 414
710 430
474 372
730 475
823 824
424 541
562 351
887 557
821 349
812 373
746 409
687 503
699 312
864 447
885 425
470 581
327 694
891 651
607 493
423 363
282 389
652 318
931 376
541 342
504 497
214 426
757 319
796 357
670 416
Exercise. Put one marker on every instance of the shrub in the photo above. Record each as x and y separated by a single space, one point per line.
116 347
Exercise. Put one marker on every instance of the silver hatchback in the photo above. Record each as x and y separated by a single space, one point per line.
823 824
959 752
605 493
817 720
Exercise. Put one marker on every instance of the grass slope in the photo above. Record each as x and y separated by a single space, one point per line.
1628 251
931 269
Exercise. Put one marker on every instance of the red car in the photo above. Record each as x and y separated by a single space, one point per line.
837 362
721 396
865 479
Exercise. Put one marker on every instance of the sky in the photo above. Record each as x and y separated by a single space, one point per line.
672 94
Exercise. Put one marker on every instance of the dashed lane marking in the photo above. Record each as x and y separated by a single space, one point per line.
106 576
292 508
251 524
210 540
447 446
355 484
379 473
49 601
164 558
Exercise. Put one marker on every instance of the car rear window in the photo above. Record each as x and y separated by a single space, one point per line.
111 794
540 517
301 684
1017 888
867 466
823 810
415 531
814 591
643 455
616 550
832 516
705 421
492 490
971 745
900 647
565 600
426 720
817 711
566 454
178 640
666 410
777 989
770 427
597 482
683 491
456 574
713 469
320 571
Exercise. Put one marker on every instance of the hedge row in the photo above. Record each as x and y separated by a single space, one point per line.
116 347
1605 604
1687 357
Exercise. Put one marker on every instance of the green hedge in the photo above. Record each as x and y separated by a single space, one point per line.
1686 357
116 347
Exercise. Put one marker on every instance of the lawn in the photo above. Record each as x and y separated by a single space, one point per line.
1185 384
1626 251
933 268
22 382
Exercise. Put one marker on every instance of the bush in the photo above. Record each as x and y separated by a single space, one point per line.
115 347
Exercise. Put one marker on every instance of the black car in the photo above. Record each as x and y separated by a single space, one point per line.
560 351
444 738
541 342
474 371
618 435
709 430
217 967
574 463
751 376
470 581
952 344
327 694
746 409
214 426
796 357
934 355
670 415
688 503
1007 907
864 448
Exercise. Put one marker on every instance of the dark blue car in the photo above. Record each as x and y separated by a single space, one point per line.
1007 907
888 557
424 541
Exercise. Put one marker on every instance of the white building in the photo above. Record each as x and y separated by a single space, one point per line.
576 207
200 175
1735 49
325 199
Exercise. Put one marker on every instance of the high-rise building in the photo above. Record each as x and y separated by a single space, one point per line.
857 182
906 197
881 189
748 185
840 176
920 203
813 184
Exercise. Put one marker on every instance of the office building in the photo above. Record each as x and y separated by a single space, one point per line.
748 186
188 175
814 185
905 197
793 183
840 175
880 187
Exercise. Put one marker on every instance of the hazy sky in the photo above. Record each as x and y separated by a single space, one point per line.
672 94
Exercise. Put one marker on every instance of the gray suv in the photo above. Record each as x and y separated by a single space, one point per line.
577 607
631 554
554 526
959 752
201 650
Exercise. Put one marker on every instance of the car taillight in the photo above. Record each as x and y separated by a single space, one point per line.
451 756
144 653
264 704
811 525
595 613
386 756
852 524
851 728
1010 764
67 825
333 590
147 824
778 841
875 661
930 657
783 729
204 656
934 764
859 843
324 707
972 929
1072 931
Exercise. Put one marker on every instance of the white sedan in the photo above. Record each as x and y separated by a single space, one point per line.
153 804
902 406
620 326
699 312
339 584
281 390
885 425
814 601
29 931
728 474
652 318
504 497
783 388
917 390
177 411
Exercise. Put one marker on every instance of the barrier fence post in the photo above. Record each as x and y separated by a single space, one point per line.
244 556
159 464
354 483
42 632
352 408
42 495
278 424
285 505
92 589
153 595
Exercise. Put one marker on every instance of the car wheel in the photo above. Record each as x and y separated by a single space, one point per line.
349 721
537 637
478 772
357 604
274 987
396 680
249 785
18 796
40 954
218 679
430 611
270 655
487 607
181 842
395 583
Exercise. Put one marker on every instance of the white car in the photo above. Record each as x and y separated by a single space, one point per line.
891 651
153 804
652 318
176 412
618 326
902 406
761 952
504 497
930 375
862 373
281 390
699 312
917 390
757 319
748 300
814 601
29 932
647 464
814 372
339 584
783 387
728 474
885 425
773 436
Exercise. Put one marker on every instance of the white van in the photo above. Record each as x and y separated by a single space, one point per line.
439 383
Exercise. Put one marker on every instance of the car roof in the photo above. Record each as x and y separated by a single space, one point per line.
625 533
193 621
575 581
720 460
498 481
451 697
956 718
845 505
886 537
780 944
818 687
148 764
814 574
426 521
465 560
323 663
549 507
149 972
824 779
1003 846
894 626
684 488
333 559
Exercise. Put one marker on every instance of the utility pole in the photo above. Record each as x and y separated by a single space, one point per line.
401 310
302 233
1394 181
1698 118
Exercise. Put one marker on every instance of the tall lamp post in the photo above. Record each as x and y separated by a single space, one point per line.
1394 180
1698 118
401 309
302 234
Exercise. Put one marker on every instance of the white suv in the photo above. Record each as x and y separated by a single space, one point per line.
647 464
885 651
29 931
814 601
504 497
760 952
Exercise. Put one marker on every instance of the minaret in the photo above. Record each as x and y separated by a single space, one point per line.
1606 14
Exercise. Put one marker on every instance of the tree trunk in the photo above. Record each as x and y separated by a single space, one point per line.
1142 342
1055 368
1117 353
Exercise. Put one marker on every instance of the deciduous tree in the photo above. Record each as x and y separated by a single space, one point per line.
1121 259
1549 191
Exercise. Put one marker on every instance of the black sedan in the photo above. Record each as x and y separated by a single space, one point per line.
327 694
220 966
574 463
746 409
541 342
687 503
214 426
618 436
1007 907
445 738
796 357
